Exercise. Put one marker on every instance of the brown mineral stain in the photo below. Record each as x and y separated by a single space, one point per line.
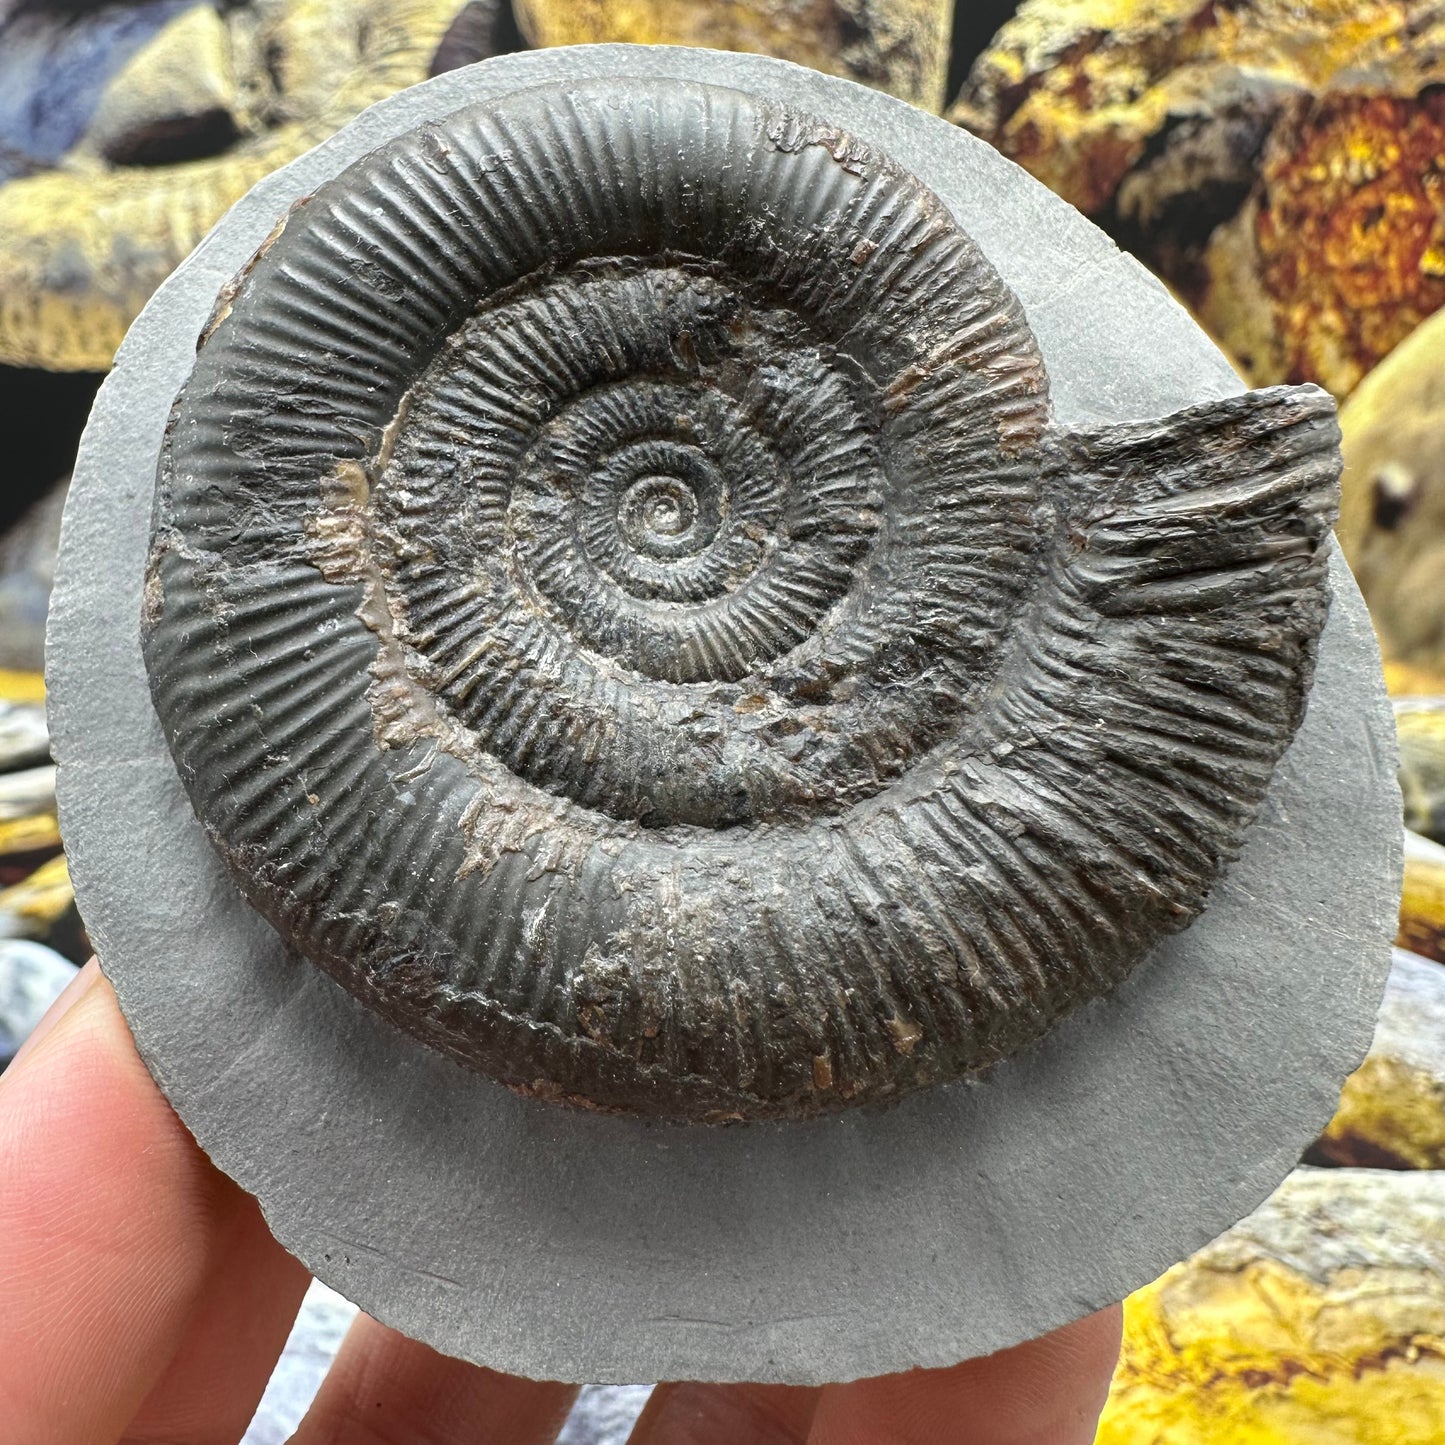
905 1034
1351 229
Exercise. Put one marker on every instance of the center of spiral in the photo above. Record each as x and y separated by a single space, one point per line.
641 563
657 515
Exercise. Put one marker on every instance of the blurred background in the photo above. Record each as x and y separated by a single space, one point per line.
1279 164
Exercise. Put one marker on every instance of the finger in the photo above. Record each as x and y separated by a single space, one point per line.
385 1389
111 1223
250 1299
686 1414
57 1010
1047 1390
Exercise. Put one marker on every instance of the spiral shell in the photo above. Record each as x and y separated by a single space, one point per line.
619 604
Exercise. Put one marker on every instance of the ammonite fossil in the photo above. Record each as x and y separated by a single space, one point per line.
619 604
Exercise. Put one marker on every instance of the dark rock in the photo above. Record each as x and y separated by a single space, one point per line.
701 674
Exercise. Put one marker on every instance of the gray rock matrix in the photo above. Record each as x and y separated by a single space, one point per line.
560 1244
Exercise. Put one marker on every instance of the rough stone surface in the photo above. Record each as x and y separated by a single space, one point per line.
562 1245
31 979
603 1414
1319 1320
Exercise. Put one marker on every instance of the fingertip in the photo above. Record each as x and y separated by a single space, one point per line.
696 1414
391 1390
68 997
1048 1389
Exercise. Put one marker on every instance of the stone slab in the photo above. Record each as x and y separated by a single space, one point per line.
558 1244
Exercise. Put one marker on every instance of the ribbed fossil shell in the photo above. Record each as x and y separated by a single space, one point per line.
619 605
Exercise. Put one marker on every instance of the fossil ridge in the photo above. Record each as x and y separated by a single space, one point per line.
620 605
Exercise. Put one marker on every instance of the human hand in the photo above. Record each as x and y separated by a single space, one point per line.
144 1301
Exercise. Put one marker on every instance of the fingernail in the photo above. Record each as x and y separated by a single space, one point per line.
70 995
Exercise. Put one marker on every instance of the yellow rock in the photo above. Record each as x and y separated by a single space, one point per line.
39 834
1319 1320
1392 513
1403 680
1391 1113
21 686
82 247
1422 900
900 46
183 76
32 907
27 811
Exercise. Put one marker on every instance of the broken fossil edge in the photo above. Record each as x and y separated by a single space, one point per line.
570 1246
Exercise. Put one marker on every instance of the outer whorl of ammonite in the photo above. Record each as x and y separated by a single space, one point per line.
619 605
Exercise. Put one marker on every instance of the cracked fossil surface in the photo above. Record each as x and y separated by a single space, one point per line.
619 604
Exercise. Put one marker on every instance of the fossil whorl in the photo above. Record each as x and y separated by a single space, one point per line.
619 604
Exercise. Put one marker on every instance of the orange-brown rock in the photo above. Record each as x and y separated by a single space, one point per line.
1282 165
